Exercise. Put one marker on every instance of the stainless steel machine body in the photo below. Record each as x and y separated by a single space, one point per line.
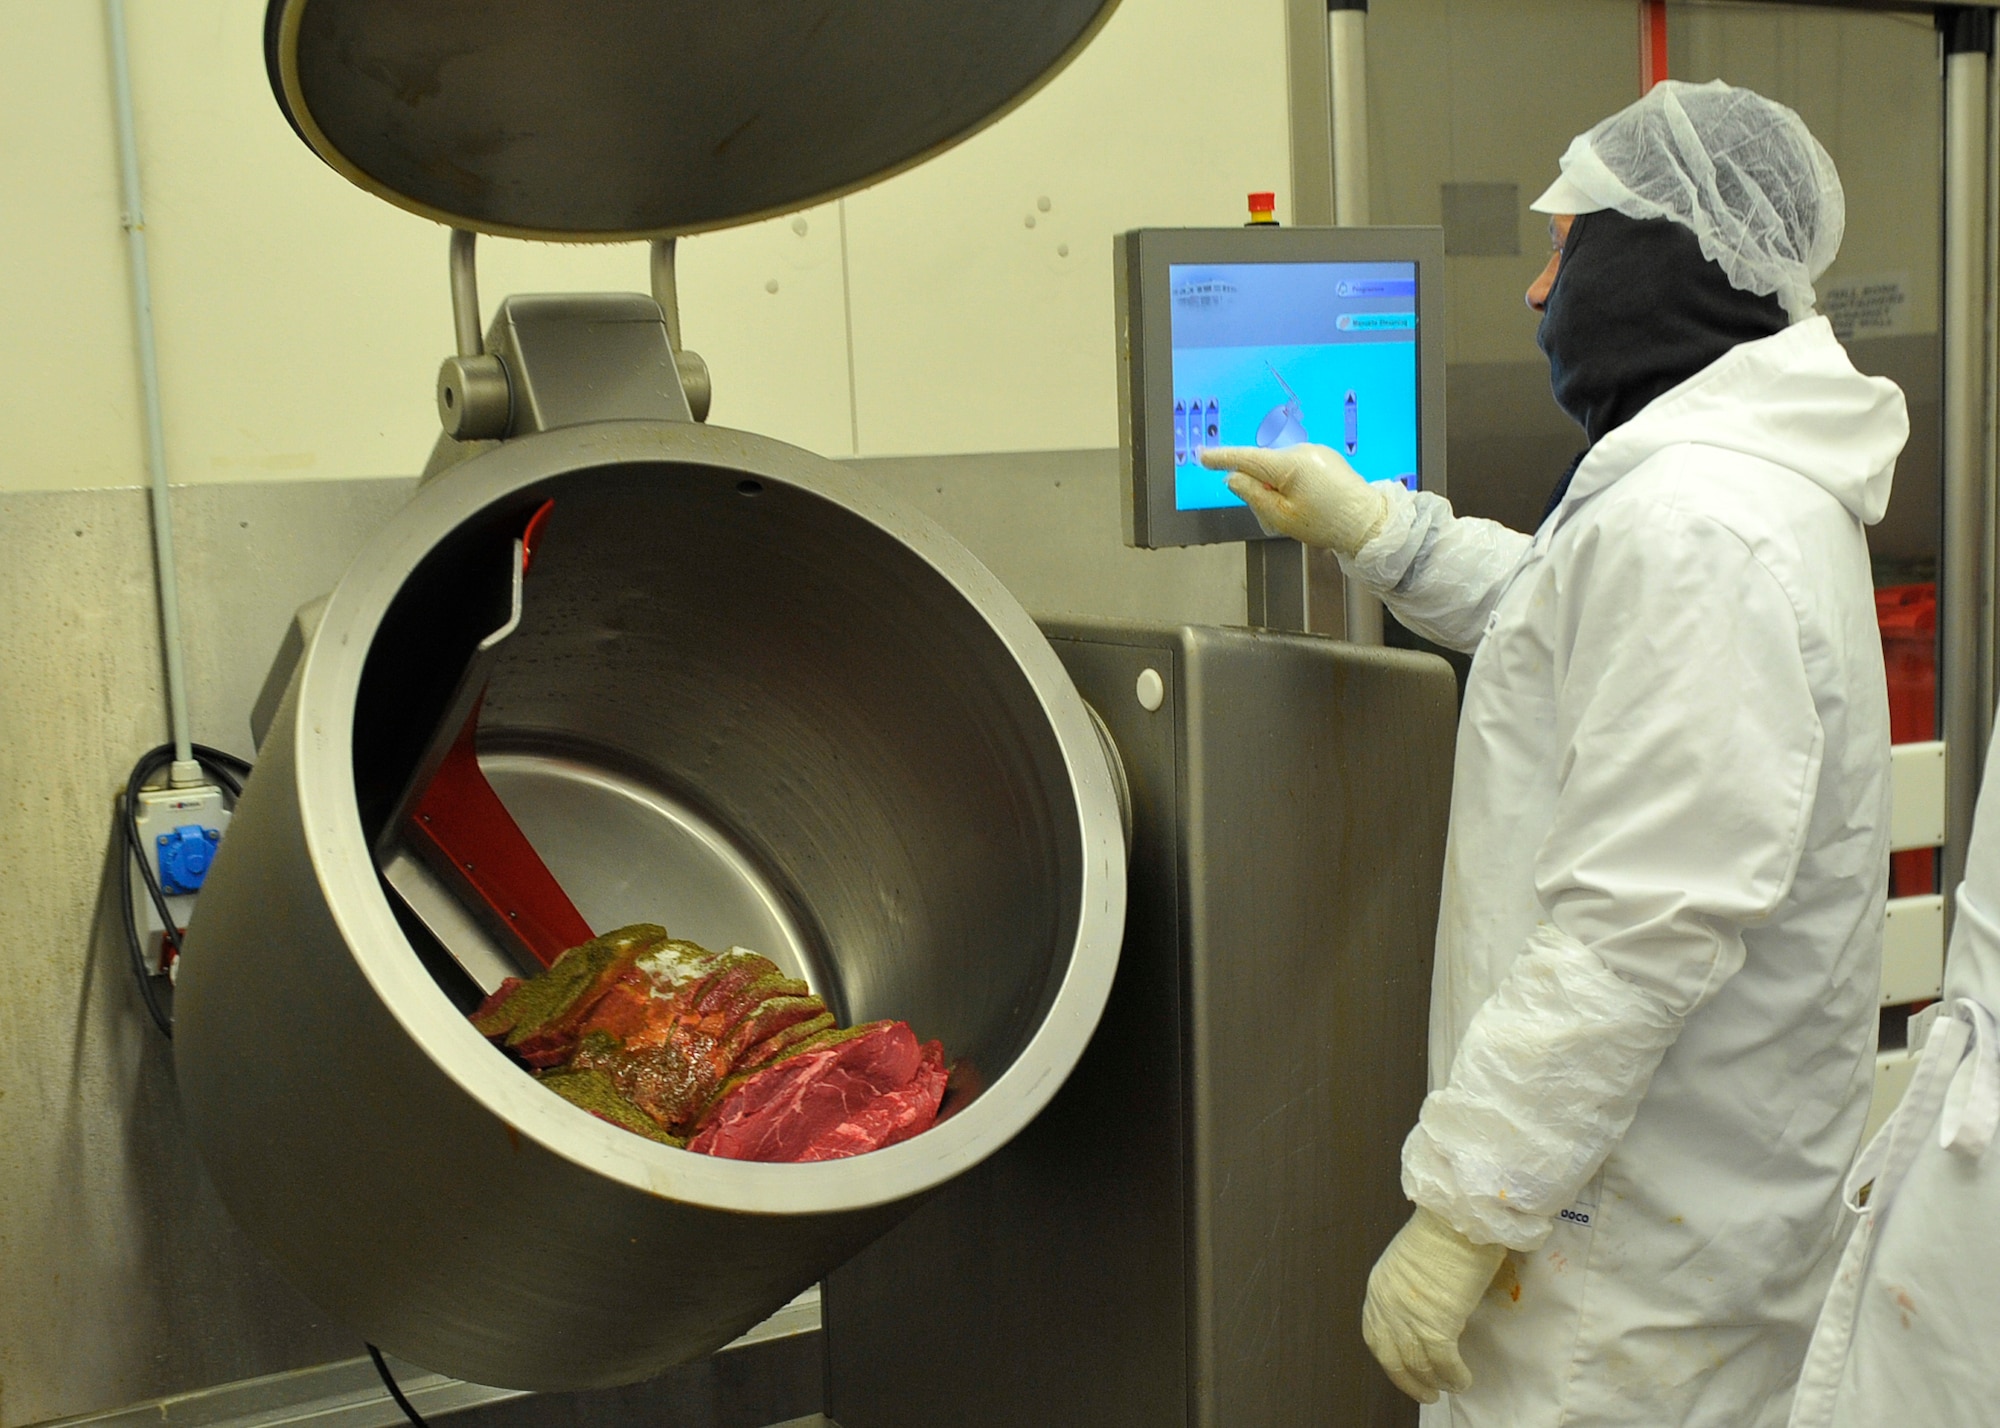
1184 1236
749 697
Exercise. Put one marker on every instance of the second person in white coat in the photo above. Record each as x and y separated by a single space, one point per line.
1911 1328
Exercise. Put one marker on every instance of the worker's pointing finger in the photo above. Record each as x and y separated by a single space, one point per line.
1272 510
1268 467
1253 493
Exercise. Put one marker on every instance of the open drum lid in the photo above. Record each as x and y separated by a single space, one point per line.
621 119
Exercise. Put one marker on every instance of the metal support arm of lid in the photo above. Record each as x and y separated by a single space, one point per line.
666 292
474 398
482 397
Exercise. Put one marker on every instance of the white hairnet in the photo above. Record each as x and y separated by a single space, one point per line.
1741 170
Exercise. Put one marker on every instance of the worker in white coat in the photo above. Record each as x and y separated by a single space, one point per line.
1653 1011
1910 1334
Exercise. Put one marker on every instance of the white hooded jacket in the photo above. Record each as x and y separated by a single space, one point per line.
1654 1008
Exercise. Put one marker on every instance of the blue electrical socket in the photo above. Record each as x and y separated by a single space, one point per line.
185 856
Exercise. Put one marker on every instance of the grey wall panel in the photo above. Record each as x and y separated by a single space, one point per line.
1509 441
251 555
1908 534
123 1278
1482 220
1449 105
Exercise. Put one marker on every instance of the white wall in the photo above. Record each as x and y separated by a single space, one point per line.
68 395
301 321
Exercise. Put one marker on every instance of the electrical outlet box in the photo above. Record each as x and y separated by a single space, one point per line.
179 831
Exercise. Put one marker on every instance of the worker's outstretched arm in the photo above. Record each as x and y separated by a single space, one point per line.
1691 758
1441 574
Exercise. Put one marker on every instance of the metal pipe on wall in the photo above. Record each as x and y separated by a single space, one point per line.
1989 629
1311 124
1289 586
1347 67
1286 585
1965 579
1347 74
185 772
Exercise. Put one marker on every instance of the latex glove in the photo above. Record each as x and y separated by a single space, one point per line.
1420 1293
1308 492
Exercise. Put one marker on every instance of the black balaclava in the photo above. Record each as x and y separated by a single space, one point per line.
1635 311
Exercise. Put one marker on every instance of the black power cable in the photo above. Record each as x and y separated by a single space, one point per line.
395 1390
228 771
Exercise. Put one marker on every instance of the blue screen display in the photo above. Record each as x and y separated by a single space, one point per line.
1274 354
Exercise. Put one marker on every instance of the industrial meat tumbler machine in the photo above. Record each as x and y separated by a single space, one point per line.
744 693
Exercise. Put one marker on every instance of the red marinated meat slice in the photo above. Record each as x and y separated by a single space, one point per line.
660 993
669 1083
788 1039
668 1054
827 1101
738 986
767 1020
687 967
489 1010
539 1019
630 1010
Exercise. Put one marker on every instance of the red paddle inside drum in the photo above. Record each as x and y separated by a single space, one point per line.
465 834
456 857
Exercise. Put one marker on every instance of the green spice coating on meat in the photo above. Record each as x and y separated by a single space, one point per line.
533 1004
594 1091
663 1082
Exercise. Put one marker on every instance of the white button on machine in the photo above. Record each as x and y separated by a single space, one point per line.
1152 690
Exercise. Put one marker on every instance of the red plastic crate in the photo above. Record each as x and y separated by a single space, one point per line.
1907 615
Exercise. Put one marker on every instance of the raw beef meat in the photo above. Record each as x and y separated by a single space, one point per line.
670 1040
869 1091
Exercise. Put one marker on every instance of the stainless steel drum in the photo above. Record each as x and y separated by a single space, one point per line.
750 699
